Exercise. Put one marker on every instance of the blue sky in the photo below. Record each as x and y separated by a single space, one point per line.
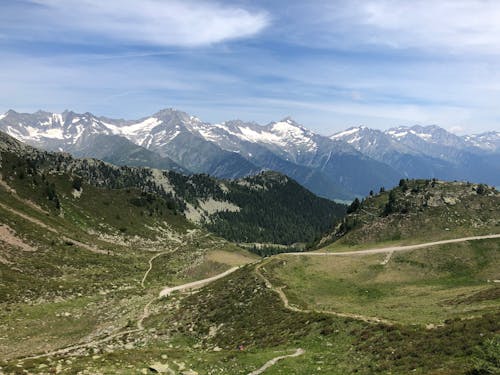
328 64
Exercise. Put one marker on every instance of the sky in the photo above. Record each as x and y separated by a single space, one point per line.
328 64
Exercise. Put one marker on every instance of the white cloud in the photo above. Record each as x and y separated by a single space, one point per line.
455 25
156 22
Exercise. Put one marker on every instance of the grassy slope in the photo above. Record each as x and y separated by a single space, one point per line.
423 211
425 286
271 207
240 310
64 291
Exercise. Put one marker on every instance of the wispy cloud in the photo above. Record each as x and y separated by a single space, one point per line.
444 26
185 23
330 63
455 24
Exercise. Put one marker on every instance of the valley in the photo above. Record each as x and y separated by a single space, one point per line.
216 187
124 270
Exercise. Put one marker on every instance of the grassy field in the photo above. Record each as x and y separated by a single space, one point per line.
425 286
202 331
187 332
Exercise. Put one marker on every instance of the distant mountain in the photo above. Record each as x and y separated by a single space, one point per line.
172 139
345 165
430 152
82 135
489 141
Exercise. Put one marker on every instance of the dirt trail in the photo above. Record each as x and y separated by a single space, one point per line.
29 218
82 345
390 250
9 236
144 315
279 291
145 311
28 202
196 284
88 247
286 303
140 326
151 264
395 248
275 360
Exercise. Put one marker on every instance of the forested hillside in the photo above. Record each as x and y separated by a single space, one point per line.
266 208
275 209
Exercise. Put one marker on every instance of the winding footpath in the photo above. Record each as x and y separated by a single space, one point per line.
286 303
275 360
145 312
93 343
151 264
389 250
200 283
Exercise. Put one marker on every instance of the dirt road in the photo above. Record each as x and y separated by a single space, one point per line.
396 248
196 284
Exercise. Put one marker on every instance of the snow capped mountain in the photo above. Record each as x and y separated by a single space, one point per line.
84 135
44 127
285 137
416 135
429 151
489 141
293 135
415 139
368 141
154 131
352 134
343 165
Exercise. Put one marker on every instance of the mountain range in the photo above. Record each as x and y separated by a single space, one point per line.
342 166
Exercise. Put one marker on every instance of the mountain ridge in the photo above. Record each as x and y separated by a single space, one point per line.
342 166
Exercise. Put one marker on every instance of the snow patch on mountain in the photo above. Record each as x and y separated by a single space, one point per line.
294 134
489 141
54 133
431 134
259 136
35 133
396 134
345 133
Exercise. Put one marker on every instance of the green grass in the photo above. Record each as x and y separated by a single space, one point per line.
62 293
49 325
240 310
323 356
423 286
